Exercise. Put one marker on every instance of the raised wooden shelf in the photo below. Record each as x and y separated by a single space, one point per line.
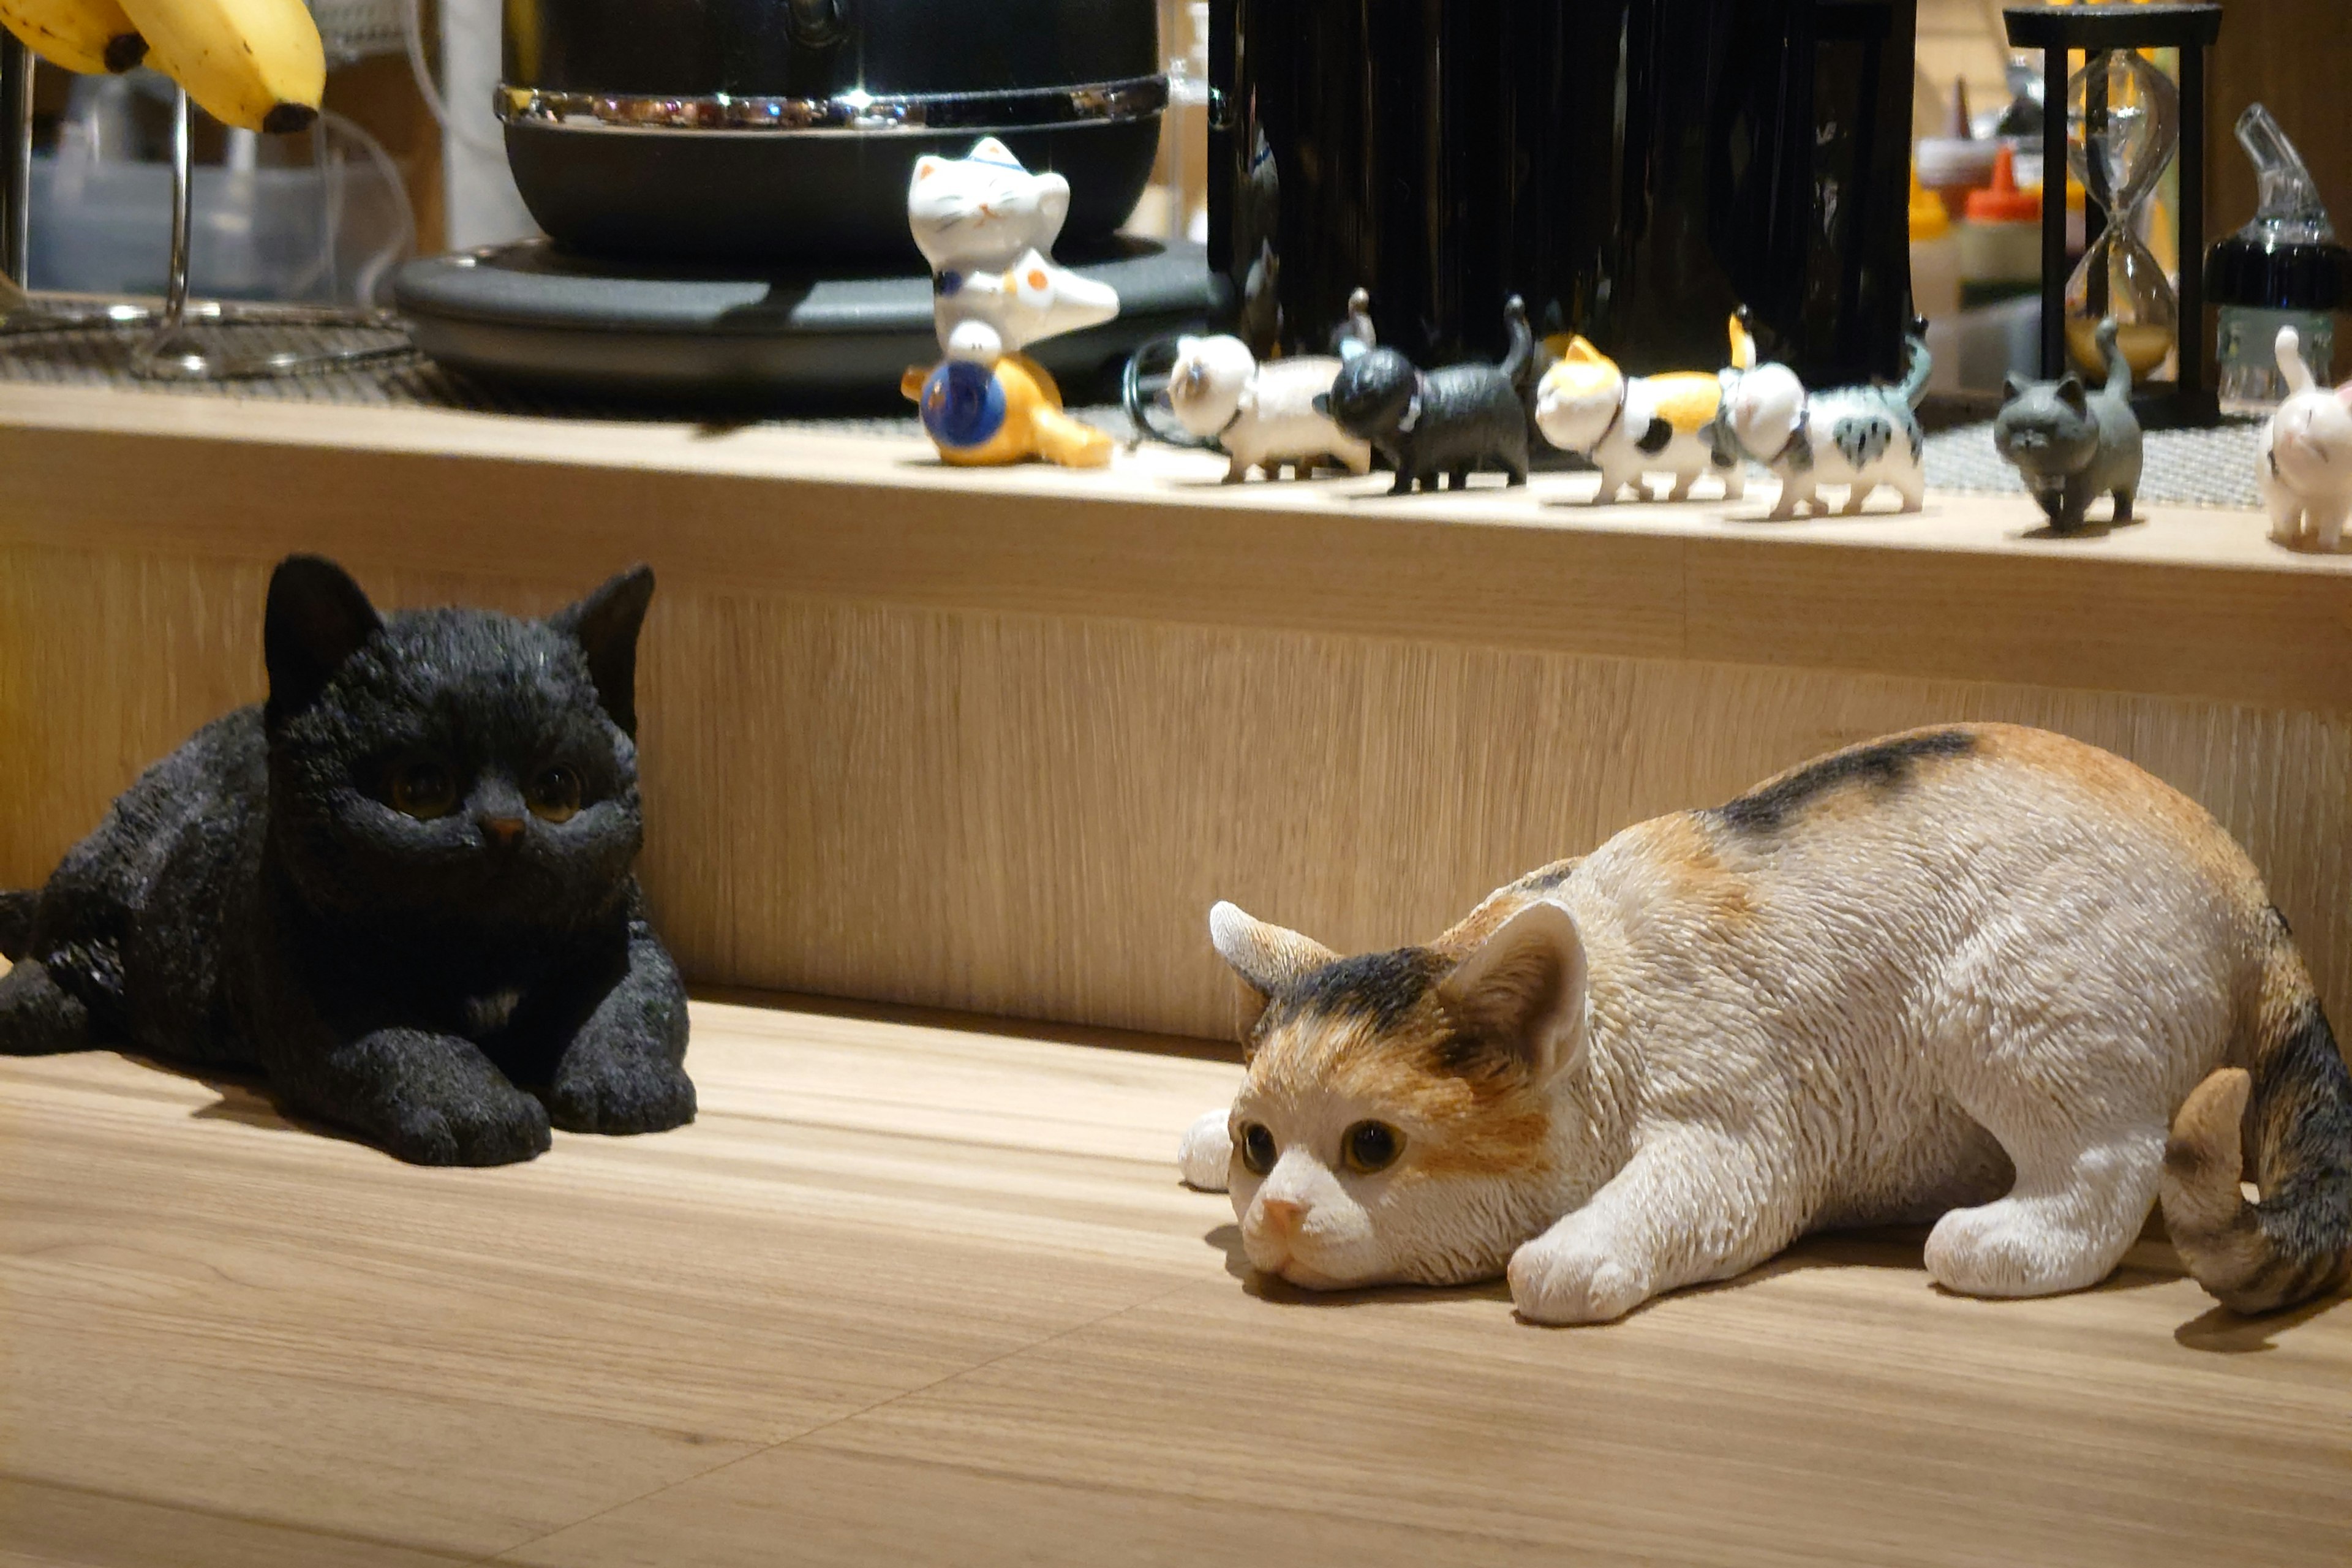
909 1295
995 739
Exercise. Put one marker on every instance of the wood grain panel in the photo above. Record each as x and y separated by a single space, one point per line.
905 1294
1029 816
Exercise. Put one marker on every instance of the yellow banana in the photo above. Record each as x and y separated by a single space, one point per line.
256 64
87 35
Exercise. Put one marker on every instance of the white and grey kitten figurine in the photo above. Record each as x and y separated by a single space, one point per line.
2306 458
1982 977
1859 437
987 226
1262 414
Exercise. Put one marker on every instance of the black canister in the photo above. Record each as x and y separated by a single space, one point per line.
1634 169
786 131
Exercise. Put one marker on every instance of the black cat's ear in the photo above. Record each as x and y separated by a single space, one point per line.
606 623
316 617
2071 394
2011 389
1322 404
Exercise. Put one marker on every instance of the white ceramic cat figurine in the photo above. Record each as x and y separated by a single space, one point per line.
1969 976
1263 414
1859 437
1633 426
2306 459
987 225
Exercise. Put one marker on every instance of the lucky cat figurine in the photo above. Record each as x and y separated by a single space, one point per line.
1859 436
402 888
1262 414
1003 412
1969 976
2070 445
1632 427
2305 470
987 227
1430 424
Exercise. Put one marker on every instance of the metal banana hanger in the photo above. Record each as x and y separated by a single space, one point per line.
190 340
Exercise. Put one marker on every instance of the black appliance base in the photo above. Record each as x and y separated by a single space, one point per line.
533 315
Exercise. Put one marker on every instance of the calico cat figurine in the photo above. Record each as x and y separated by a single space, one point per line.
2071 445
1859 436
402 888
1429 423
1631 426
1968 975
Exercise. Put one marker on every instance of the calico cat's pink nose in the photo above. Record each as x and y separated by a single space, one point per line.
1281 1216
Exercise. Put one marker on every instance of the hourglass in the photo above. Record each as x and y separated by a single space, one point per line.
2124 121
2123 125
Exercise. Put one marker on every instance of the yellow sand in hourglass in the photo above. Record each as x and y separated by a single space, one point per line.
2123 122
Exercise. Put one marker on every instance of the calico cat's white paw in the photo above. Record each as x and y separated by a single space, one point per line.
1206 1152
1571 1279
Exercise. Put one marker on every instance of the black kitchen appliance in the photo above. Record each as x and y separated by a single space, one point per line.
1634 169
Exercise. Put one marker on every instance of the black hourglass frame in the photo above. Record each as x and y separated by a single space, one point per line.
2101 30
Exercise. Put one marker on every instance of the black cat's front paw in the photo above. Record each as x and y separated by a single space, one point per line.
615 1094
495 1127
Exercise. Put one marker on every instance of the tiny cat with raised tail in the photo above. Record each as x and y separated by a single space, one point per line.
1634 426
402 888
2072 446
1982 977
2305 467
1859 437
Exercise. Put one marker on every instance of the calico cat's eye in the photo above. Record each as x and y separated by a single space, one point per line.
422 790
555 794
1371 1146
1257 1148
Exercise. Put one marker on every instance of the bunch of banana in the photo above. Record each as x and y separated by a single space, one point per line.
84 35
257 63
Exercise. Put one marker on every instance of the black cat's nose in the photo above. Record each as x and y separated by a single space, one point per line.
502 831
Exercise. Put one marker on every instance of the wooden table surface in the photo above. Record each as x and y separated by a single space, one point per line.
914 1294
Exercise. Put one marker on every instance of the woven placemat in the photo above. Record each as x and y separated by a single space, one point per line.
2195 467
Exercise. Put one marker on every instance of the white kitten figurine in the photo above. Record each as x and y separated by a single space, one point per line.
1632 427
1263 414
985 225
2306 461
1859 437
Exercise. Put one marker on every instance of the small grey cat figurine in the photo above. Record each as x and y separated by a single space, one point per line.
2072 444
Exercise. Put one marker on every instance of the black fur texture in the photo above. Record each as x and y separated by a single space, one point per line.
1884 765
2071 445
401 889
1380 987
2301 1113
1432 424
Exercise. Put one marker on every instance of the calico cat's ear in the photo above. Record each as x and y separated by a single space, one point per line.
316 618
2071 394
1266 957
606 623
2011 389
1522 991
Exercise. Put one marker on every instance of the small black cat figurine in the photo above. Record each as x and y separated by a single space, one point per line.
1429 423
402 888
2071 445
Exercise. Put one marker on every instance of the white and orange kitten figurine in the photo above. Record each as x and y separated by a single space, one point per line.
1971 976
1634 426
2306 458
987 225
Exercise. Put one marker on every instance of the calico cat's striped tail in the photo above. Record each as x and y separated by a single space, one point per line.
16 922
2295 1103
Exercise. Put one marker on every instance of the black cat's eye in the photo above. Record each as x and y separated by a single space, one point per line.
1371 1146
422 790
555 794
1258 1149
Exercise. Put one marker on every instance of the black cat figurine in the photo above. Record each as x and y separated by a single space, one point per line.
402 888
2071 445
1430 424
